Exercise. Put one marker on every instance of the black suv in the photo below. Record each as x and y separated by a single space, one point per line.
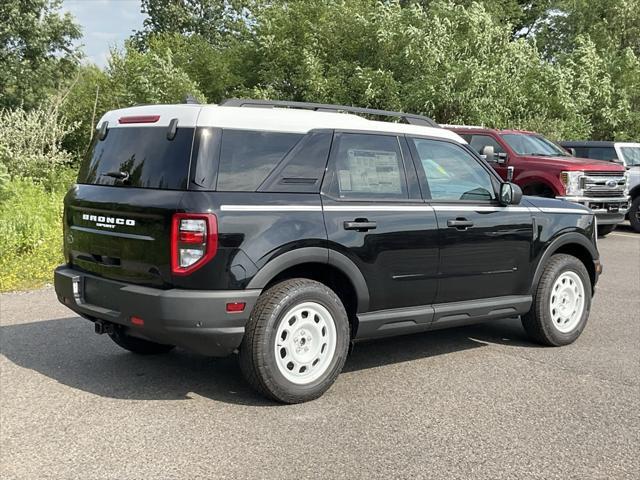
286 231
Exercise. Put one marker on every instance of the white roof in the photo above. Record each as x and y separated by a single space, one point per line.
268 119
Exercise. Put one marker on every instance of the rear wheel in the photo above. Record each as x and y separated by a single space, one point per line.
296 341
138 345
561 302
634 214
604 230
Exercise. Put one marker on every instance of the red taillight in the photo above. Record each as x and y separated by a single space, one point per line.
191 237
139 119
194 241
137 321
236 307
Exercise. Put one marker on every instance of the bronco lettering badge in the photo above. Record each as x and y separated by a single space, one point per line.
108 222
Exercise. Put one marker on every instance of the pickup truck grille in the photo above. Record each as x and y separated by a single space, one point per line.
604 184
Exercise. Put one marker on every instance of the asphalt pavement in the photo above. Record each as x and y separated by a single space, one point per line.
471 402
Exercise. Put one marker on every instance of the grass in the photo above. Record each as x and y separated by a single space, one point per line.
31 230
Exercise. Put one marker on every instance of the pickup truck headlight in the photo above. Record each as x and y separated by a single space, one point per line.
626 183
572 183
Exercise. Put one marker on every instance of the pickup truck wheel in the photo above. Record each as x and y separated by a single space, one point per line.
634 214
604 230
138 345
561 302
296 341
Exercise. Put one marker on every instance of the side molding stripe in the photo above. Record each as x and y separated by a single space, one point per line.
271 208
396 208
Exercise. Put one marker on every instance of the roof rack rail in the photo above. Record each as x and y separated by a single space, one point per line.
410 118
450 125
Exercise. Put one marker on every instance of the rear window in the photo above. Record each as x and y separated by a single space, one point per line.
247 157
139 157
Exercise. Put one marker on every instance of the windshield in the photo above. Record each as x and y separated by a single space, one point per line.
631 156
525 144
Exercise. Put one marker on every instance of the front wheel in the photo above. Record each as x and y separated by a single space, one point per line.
634 214
604 230
561 302
296 341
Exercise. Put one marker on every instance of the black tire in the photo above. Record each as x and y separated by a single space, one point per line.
604 230
257 352
538 322
138 345
634 214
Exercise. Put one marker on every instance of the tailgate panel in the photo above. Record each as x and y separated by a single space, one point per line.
121 233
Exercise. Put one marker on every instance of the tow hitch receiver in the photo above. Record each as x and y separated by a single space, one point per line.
103 327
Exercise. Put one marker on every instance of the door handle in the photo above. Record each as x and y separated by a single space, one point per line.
359 225
459 223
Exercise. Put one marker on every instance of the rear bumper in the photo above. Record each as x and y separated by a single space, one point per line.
193 319
609 211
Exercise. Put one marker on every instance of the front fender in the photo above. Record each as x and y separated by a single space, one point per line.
568 238
533 177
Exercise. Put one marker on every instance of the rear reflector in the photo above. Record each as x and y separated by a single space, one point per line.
137 321
139 119
236 307
194 241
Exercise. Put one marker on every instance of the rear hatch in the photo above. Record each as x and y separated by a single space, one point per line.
118 215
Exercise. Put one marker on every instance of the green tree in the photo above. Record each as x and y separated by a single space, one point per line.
213 20
130 78
456 63
36 50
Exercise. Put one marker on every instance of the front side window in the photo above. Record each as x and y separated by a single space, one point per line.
631 156
451 173
478 142
527 144
367 166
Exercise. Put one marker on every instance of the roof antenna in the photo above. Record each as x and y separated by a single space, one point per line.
191 99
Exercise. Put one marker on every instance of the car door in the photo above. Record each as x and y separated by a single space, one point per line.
484 247
375 216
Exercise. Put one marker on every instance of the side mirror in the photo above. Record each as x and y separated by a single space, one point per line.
488 153
501 157
510 194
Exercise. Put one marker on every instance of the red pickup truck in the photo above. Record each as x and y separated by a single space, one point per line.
542 168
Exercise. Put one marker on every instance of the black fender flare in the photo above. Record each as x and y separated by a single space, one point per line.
314 255
554 246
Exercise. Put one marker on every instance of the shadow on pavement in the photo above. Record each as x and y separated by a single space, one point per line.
67 351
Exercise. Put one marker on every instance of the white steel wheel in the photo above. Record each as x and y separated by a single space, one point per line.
567 301
305 343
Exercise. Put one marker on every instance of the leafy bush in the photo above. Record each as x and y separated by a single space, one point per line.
34 176
30 229
31 141
131 78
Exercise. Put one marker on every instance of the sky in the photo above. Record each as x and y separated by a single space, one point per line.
105 23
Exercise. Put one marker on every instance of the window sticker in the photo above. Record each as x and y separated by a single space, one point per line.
344 180
371 171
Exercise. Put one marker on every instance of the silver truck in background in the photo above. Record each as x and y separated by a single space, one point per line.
626 153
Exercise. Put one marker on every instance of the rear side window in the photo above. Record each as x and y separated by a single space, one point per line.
367 166
248 157
303 168
139 157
